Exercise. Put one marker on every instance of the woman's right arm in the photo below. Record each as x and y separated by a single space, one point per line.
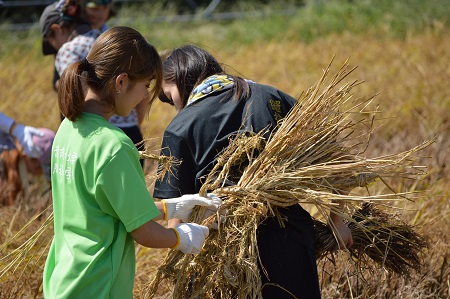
186 237
154 235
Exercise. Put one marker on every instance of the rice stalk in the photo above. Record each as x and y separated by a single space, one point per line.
18 266
164 163
316 157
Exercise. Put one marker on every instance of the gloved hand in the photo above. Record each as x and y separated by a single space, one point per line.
191 237
181 207
24 134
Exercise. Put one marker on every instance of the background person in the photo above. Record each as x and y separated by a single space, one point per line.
21 145
94 14
69 29
213 106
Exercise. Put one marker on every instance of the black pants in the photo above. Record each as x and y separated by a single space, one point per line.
287 255
135 135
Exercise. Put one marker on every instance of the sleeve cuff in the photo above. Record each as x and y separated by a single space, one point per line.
6 123
165 209
178 238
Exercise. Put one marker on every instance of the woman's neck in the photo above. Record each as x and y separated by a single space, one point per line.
92 104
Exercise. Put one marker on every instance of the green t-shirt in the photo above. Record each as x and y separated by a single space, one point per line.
99 196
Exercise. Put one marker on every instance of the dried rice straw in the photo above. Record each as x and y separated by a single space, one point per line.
312 158
165 163
18 266
379 238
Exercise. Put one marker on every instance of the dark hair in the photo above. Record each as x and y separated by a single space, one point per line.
75 10
188 66
118 50
72 13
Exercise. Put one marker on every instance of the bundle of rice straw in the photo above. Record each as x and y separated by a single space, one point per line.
312 158
377 237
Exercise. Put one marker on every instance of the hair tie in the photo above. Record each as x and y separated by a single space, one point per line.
85 65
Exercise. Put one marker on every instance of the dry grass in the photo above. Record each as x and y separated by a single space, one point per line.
411 77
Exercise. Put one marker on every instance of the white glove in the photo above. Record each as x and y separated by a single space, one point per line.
191 237
24 135
181 207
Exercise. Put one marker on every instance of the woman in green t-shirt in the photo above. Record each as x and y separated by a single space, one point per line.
100 198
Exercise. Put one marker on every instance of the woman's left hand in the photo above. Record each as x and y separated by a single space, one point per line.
181 207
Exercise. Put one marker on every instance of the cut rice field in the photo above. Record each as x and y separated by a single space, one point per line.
409 82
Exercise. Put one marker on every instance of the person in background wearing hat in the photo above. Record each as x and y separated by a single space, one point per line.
88 15
79 15
66 33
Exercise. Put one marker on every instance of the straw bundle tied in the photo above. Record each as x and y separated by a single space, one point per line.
312 158
378 237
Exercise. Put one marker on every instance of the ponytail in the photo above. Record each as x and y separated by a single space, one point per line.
70 92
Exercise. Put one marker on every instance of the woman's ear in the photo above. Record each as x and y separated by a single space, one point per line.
121 82
55 27
60 35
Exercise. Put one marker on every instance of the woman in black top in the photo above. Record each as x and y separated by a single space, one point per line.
212 106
